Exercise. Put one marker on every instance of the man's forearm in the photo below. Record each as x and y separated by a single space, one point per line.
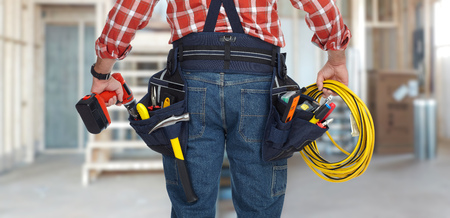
104 66
336 57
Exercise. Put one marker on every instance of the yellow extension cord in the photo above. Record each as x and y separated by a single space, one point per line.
356 162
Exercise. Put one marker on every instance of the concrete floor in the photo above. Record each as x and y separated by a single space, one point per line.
393 186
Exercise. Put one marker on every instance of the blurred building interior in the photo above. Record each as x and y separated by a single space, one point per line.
398 61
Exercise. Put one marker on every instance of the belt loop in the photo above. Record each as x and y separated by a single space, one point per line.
227 55
180 52
274 55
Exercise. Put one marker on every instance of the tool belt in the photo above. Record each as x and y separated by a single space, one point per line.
215 52
281 139
234 52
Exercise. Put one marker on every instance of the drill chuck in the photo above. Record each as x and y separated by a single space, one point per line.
131 108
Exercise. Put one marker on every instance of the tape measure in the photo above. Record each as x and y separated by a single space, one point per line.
356 162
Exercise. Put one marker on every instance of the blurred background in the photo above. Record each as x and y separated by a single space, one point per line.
50 166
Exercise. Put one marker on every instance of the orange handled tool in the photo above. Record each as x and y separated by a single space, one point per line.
290 107
92 108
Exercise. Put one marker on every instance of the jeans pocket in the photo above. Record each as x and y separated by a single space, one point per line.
254 111
279 180
196 108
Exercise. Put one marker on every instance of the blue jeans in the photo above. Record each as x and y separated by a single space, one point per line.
228 111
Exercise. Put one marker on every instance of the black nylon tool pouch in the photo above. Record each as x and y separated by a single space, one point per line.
281 139
168 83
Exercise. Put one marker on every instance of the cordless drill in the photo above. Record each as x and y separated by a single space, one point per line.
92 108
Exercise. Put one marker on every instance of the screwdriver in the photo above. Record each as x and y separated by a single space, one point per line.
320 113
142 110
332 107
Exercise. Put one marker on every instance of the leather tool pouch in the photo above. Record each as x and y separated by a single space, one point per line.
282 139
168 82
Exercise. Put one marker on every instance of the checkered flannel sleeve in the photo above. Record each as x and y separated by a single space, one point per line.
324 18
124 19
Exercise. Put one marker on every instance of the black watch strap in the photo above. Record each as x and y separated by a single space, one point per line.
99 75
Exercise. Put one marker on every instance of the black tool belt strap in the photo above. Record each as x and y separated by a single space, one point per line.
233 54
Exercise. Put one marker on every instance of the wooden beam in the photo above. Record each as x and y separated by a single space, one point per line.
29 81
384 25
65 2
395 11
63 14
81 33
427 50
358 16
411 26
16 102
439 78
100 18
7 85
13 40
440 93
376 23
2 79
375 17
400 35
40 78
295 43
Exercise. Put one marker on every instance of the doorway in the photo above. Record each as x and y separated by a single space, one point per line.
69 53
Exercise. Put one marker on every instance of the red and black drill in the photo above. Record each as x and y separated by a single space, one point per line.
92 108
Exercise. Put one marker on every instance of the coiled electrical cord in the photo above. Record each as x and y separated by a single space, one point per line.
356 162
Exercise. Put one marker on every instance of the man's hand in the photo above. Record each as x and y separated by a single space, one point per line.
98 86
334 69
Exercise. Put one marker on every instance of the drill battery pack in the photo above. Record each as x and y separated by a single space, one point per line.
93 112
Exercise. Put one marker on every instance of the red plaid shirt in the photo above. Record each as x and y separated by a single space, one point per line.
259 18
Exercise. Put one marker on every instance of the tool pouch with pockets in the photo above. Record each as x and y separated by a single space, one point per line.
282 139
168 82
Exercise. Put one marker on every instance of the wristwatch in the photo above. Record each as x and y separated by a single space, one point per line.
99 76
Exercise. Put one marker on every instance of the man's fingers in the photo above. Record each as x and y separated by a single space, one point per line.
325 93
112 101
98 86
319 81
119 93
